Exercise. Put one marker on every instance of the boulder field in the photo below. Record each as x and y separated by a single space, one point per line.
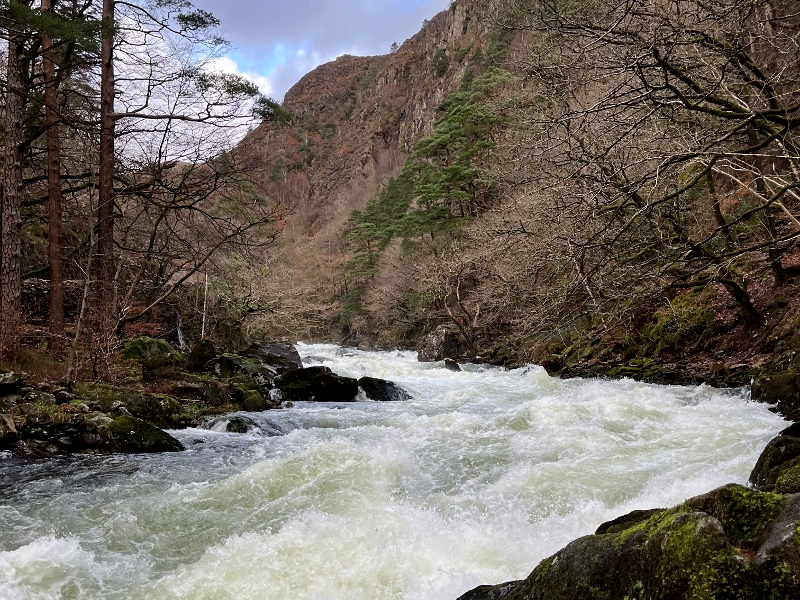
734 542
167 390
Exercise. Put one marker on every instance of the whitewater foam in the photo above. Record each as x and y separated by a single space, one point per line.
474 481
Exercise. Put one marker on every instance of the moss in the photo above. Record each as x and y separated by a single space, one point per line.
146 348
744 513
687 319
130 434
789 480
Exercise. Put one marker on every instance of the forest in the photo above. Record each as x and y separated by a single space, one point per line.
119 184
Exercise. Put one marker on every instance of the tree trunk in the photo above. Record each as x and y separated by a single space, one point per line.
105 205
55 250
10 267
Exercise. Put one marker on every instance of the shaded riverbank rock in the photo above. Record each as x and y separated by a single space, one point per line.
317 384
382 390
202 354
731 543
778 467
443 342
41 431
281 357
158 359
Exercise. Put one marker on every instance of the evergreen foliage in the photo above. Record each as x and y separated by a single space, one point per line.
442 185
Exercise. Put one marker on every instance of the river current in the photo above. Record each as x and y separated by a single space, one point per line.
479 477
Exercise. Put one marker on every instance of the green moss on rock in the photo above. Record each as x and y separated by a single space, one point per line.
131 435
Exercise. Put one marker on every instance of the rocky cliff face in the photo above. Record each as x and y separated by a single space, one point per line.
354 122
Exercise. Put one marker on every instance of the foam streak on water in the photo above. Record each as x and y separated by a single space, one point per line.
482 475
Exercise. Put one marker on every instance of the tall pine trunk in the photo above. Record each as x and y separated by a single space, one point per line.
10 266
55 249
105 208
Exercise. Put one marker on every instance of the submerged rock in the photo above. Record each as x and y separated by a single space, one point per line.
778 467
452 365
382 390
318 384
731 543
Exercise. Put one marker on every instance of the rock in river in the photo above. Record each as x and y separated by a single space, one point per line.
382 390
318 384
733 542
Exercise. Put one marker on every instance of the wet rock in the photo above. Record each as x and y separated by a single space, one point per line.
280 357
732 542
158 359
240 425
778 467
491 592
444 342
781 388
318 384
382 390
202 354
134 436
451 365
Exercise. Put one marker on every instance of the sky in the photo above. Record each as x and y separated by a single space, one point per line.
276 43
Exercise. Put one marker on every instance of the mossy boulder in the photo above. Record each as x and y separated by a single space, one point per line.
382 390
157 357
779 461
134 436
731 543
160 409
317 384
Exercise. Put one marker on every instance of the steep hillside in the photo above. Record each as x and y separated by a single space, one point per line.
354 123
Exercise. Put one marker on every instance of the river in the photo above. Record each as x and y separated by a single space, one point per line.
482 475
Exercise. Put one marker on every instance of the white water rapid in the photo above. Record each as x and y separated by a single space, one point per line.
477 479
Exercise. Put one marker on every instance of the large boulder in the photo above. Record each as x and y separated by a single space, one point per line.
731 543
778 467
202 354
133 436
158 359
382 390
280 357
318 384
444 342
42 430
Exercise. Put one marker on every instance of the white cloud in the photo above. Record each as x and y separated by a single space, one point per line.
225 64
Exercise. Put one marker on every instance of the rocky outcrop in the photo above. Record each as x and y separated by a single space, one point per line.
731 543
202 353
157 357
381 390
280 357
43 429
442 343
778 467
317 384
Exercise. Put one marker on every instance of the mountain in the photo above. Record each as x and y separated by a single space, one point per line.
355 121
